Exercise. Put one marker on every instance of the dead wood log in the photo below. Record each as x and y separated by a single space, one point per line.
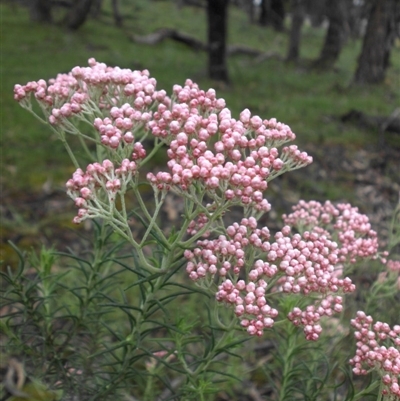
380 123
234 50
168 33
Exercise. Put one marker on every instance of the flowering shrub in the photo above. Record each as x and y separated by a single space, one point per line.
215 163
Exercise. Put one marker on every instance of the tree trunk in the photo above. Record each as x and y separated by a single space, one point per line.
96 8
217 27
356 17
277 14
315 9
116 13
78 13
335 35
377 44
263 18
249 7
298 15
40 11
272 12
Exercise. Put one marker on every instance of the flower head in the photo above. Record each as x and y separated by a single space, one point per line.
378 348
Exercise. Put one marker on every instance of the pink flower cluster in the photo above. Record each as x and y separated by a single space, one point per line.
348 227
117 129
229 160
249 303
189 103
55 93
237 165
69 94
311 316
298 264
226 253
198 224
87 189
371 354
393 265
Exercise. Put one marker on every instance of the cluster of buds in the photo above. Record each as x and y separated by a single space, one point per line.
348 227
226 253
153 361
87 90
117 129
229 159
299 264
184 114
237 167
249 303
309 318
390 277
55 94
372 354
196 225
88 189
393 265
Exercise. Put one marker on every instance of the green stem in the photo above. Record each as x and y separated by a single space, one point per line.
84 146
157 146
210 358
368 390
136 329
216 215
69 151
148 392
143 207
287 365
154 218
131 240
60 134
380 395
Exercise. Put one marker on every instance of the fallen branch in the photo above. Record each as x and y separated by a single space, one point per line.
169 33
380 123
234 50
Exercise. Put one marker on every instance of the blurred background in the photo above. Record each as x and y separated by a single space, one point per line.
330 69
